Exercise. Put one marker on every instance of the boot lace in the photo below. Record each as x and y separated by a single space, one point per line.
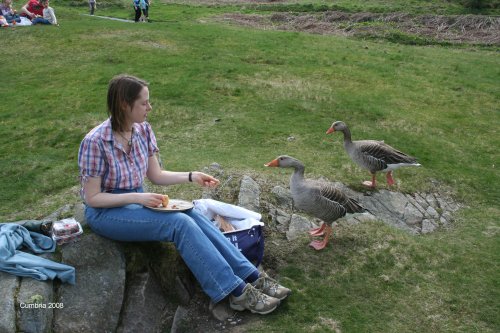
255 296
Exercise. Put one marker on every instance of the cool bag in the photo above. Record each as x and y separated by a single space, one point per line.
249 241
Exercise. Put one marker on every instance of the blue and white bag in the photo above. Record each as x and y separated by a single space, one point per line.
248 236
250 242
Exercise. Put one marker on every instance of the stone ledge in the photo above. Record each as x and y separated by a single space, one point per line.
146 287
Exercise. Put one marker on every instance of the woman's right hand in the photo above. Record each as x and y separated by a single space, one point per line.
150 199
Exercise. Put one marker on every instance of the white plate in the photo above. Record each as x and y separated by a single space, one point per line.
174 205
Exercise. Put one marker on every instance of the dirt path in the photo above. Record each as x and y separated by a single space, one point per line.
421 29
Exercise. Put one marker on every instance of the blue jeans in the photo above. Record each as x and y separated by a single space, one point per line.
216 263
40 20
12 18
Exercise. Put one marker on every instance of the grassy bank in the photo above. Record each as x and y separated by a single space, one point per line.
235 96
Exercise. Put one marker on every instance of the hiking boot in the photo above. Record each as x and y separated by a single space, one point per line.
271 287
253 300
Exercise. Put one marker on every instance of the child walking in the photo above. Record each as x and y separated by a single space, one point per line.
92 6
139 7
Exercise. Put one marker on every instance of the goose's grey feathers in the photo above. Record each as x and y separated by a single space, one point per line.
316 198
372 154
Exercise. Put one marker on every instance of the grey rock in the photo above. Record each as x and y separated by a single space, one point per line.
412 216
79 214
415 204
446 217
221 311
180 318
447 204
396 202
362 218
207 194
176 280
217 171
280 218
283 197
59 214
349 219
454 206
94 303
215 167
22 222
8 285
249 194
299 225
415 213
144 305
389 207
431 199
428 226
432 213
36 306
183 292
420 198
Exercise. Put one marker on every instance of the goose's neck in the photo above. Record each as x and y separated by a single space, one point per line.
347 135
298 173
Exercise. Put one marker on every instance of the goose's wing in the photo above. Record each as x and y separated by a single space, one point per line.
377 155
309 198
394 156
335 195
367 154
328 210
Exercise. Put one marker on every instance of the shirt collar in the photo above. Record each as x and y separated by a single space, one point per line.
107 133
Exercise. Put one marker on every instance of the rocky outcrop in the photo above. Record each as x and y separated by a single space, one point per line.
8 286
119 288
95 301
146 287
418 213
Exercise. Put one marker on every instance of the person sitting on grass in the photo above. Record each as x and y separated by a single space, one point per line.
8 12
32 9
49 17
114 159
3 22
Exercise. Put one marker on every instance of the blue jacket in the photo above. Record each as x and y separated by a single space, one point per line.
139 4
12 237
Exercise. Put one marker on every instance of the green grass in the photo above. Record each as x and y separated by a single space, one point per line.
438 103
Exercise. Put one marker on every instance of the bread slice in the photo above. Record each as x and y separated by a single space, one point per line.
164 201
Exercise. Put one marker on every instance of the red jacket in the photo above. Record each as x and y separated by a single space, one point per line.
34 7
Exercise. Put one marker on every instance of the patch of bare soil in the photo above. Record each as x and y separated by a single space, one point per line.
455 29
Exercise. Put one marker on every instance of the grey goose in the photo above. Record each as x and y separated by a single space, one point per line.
319 199
375 156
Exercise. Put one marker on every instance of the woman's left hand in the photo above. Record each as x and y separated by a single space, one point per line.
204 179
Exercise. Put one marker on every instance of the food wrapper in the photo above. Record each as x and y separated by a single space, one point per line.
66 231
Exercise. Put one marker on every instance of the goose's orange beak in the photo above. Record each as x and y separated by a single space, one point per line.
273 163
330 130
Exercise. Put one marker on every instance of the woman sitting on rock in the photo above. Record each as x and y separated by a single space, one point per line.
115 157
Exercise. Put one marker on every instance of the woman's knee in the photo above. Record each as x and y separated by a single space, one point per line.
185 222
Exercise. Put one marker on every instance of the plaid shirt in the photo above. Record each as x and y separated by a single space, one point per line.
101 156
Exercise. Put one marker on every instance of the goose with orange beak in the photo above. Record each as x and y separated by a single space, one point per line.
374 156
319 199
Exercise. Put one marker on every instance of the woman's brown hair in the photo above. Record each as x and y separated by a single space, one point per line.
123 91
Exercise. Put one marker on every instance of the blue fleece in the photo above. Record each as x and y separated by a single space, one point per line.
14 236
